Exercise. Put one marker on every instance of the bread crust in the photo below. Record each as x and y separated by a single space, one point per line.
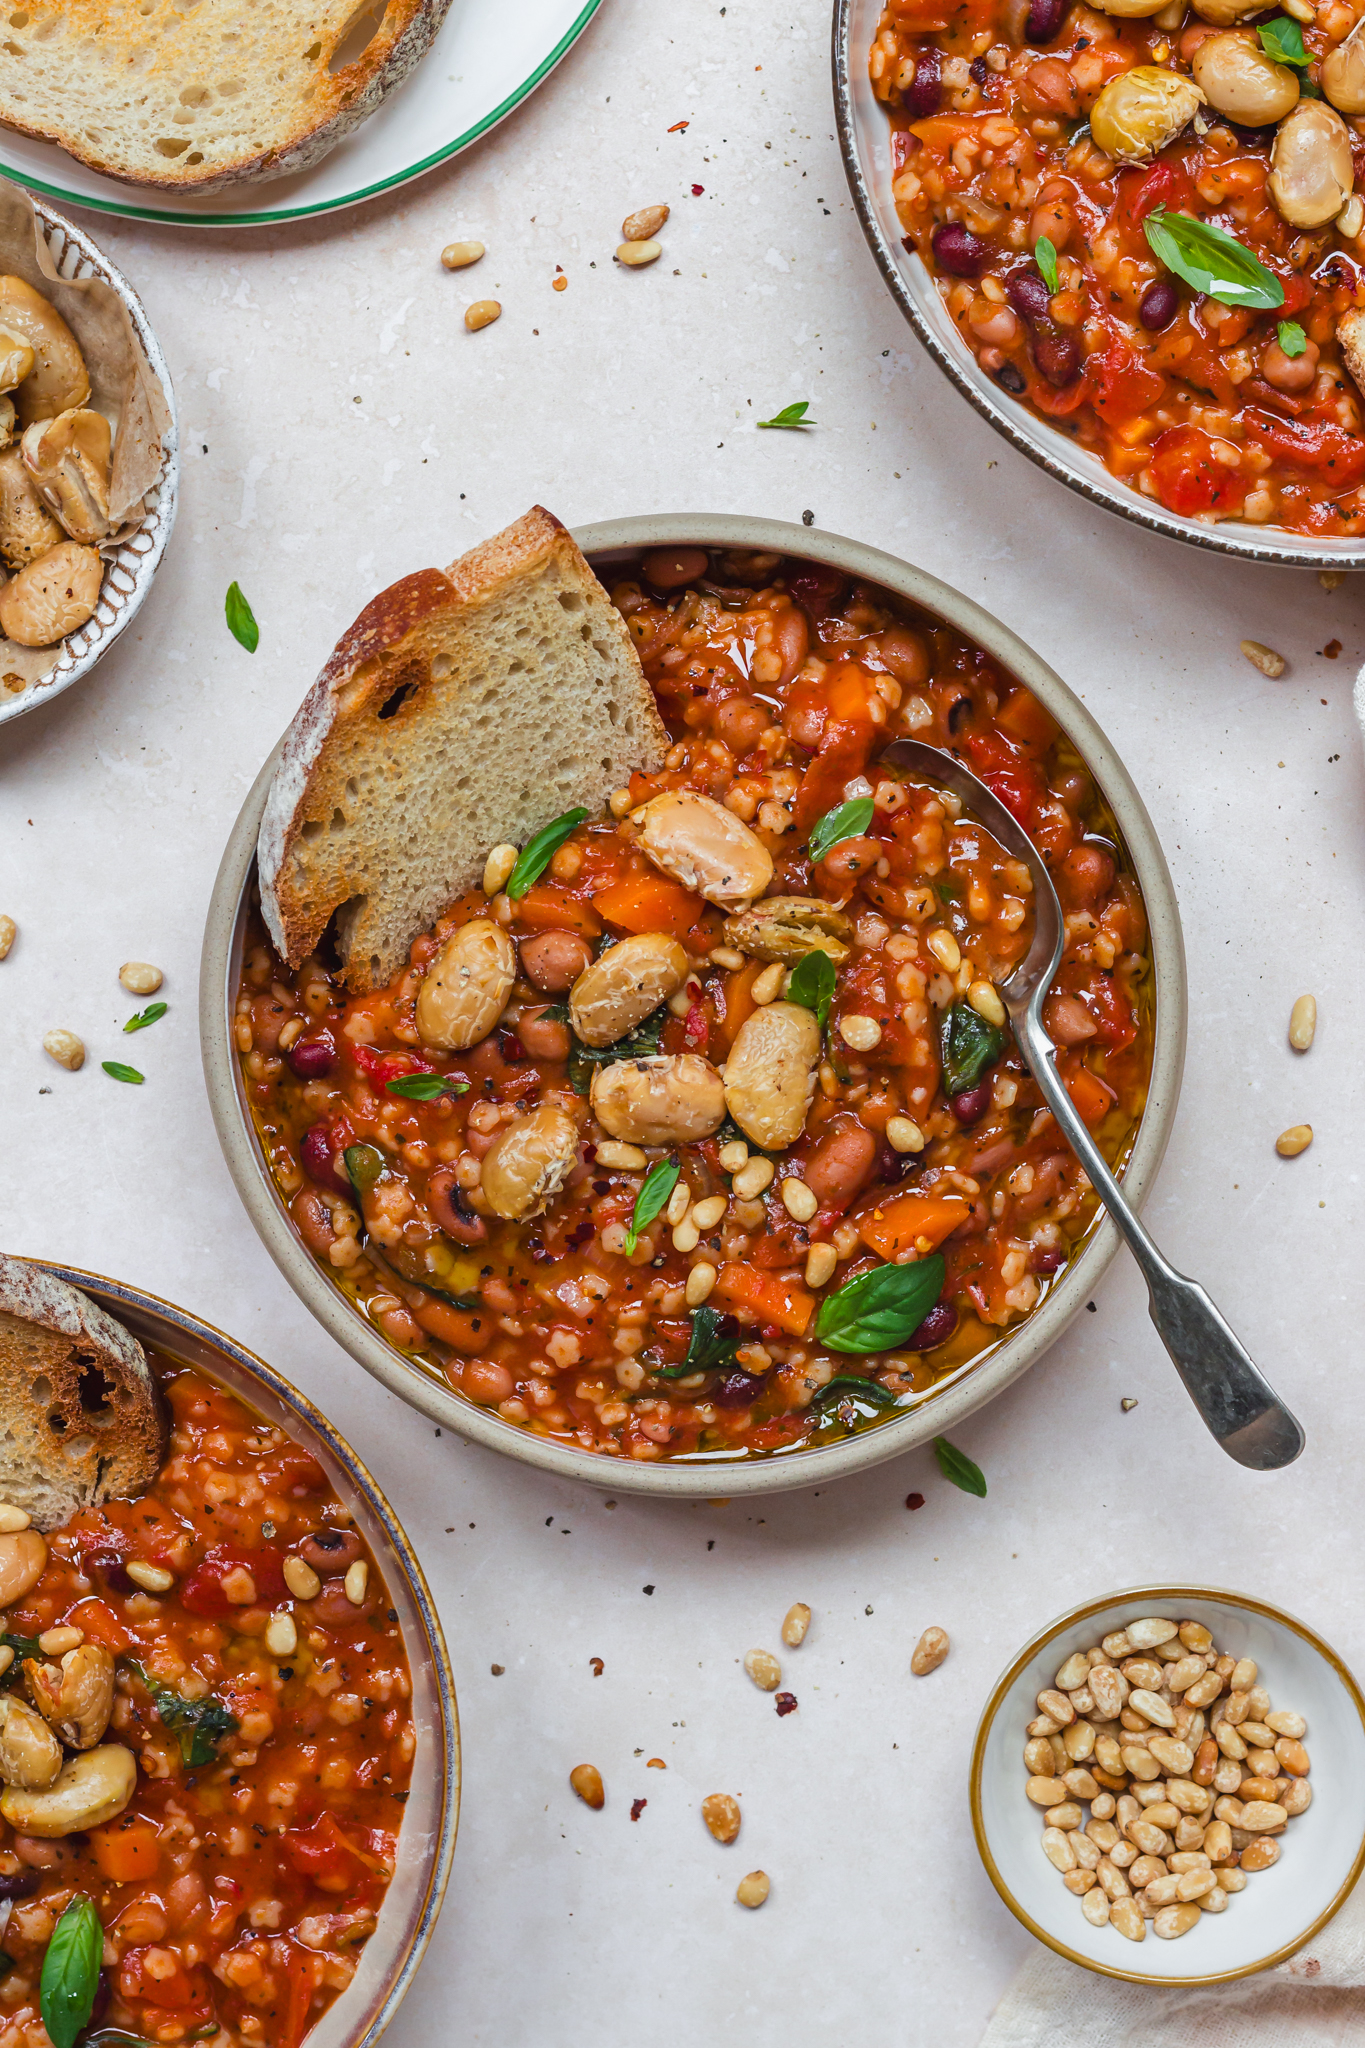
392 654
349 97
82 1418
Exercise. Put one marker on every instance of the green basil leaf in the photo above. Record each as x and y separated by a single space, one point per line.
425 1087
71 1972
241 619
1045 256
1282 39
812 985
364 1165
708 1347
790 416
199 1726
534 857
1211 261
881 1308
1309 91
845 821
556 1013
22 1646
954 1465
845 1383
118 1072
1291 337
643 1043
655 1189
143 1018
968 1045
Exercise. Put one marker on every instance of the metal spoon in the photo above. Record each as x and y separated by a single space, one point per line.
1236 1401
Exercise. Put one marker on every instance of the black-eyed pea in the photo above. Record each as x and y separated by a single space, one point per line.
1068 1815
1103 1834
1141 1671
1298 1797
1122 1854
1292 1755
1057 1707
1126 1915
1258 1703
1232 1879
1161 1891
1109 1690
1116 1645
1073 1673
1079 1882
1080 1784
1174 1755
1038 1758
1086 1852
1215 1900
1113 1879
1140 1763
1204 1691
1259 1855
1104 1807
1195 1636
1189 1832
1173 1921
1058 1850
1286 1723
1079 1742
1042 1724
1095 1906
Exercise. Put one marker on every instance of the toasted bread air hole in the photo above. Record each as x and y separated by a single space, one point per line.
441 667
93 1389
396 700
572 600
359 32
173 145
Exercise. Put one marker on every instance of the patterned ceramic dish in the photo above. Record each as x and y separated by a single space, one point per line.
1323 1850
390 1958
129 570
939 1409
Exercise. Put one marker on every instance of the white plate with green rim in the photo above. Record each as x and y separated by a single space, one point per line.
473 76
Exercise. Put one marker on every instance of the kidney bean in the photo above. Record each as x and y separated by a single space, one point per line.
925 90
1045 18
816 586
452 1214
320 1160
937 1328
1058 357
1047 1261
331 1552
978 70
1012 378
108 1567
1159 305
958 252
971 1105
737 1390
312 1059
22 1885
1028 294
670 568
554 960
840 1164
997 1152
1067 1020
40 1854
542 1037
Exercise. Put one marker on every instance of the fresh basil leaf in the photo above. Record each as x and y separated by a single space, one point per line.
1291 337
425 1087
879 1309
790 416
364 1166
812 985
241 619
1210 261
845 1383
1045 256
712 1344
954 1465
845 821
968 1044
1282 39
71 1972
199 1726
534 857
655 1189
143 1018
556 1013
1309 91
118 1072
22 1646
643 1043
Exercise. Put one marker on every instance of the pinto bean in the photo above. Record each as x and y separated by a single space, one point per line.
542 1037
844 863
739 722
466 986
671 568
554 960
313 1222
1067 1020
841 1164
1087 872
770 1074
905 653
791 639
1049 88
446 1204
486 1382
621 989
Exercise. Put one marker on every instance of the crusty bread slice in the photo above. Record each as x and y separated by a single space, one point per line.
80 1418
158 92
461 711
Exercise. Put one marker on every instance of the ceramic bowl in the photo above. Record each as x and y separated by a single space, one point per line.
1322 1850
943 1406
389 1960
864 139
129 569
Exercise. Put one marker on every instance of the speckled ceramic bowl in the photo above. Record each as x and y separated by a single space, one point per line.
1322 1850
865 140
389 1960
943 1406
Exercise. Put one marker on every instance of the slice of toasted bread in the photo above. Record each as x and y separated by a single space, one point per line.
461 711
81 1418
157 92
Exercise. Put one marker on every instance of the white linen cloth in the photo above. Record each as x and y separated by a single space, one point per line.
1315 2000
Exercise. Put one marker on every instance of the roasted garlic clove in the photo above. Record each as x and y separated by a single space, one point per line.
68 460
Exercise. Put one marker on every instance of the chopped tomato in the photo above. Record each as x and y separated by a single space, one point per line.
202 1592
1190 478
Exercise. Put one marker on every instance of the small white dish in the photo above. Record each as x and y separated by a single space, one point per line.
1323 1849
482 65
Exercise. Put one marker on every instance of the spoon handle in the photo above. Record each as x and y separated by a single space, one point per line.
1234 1397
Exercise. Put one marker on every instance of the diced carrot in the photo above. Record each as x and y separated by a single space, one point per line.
898 1226
1023 718
1092 1097
544 908
845 743
739 1000
127 1849
465 1331
101 1625
764 1296
651 903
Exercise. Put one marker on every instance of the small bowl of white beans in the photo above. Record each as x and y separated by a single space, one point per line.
1143 1783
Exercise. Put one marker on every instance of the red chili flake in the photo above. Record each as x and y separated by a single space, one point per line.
697 191
696 1028
786 1703
637 1807
510 1046
914 1500
598 1667
678 127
